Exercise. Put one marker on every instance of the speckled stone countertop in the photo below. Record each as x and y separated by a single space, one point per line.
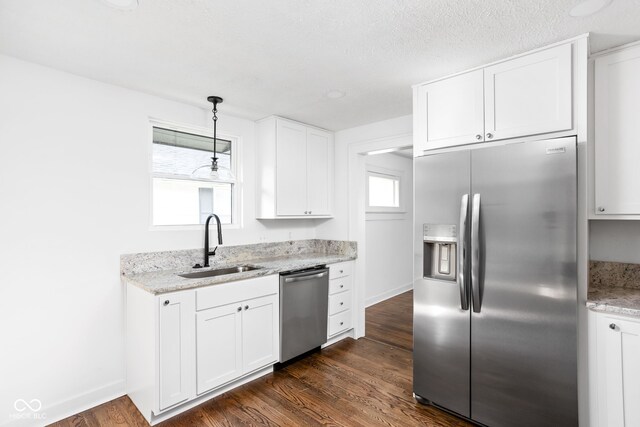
615 300
158 281
614 288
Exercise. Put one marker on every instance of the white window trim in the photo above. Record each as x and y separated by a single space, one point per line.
237 195
397 174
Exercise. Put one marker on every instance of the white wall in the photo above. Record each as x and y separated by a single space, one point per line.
74 192
612 240
338 228
389 243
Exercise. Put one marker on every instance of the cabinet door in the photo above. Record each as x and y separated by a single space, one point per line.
291 168
618 371
260 332
176 348
617 130
319 167
449 112
529 95
219 341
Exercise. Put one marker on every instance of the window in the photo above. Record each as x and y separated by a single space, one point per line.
179 198
383 190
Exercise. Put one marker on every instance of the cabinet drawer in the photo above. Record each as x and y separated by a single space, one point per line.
227 293
339 302
339 285
340 269
339 322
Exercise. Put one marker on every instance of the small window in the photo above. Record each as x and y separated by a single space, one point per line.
179 197
383 190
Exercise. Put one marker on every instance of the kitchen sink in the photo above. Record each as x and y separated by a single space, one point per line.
219 272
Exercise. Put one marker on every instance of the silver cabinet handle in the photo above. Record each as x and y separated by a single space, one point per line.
489 135
297 279
246 307
475 253
478 137
601 209
166 302
612 326
462 243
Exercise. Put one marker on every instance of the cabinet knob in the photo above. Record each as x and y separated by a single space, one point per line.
309 212
166 302
246 307
341 323
305 212
341 286
601 209
341 303
612 326
341 271
489 135
240 308
478 137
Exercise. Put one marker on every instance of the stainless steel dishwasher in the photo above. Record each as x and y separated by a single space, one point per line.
303 311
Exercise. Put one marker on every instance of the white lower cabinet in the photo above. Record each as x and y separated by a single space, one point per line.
176 347
218 328
184 347
340 291
235 339
618 370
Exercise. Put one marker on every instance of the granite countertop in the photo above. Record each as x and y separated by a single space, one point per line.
162 281
615 300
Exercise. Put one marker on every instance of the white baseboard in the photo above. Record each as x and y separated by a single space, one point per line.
388 294
49 414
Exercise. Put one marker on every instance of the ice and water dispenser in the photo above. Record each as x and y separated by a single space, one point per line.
439 254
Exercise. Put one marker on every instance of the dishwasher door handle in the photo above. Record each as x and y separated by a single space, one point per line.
301 278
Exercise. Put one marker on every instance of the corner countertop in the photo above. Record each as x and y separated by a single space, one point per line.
163 281
615 300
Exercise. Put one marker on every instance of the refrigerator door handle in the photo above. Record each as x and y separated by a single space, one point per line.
475 253
462 251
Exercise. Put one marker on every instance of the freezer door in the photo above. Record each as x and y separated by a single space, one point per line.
523 323
441 327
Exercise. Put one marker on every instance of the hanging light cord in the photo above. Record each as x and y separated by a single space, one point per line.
214 165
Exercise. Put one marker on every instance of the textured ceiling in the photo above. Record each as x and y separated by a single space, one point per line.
282 56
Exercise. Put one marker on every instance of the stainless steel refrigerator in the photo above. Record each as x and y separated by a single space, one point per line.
495 311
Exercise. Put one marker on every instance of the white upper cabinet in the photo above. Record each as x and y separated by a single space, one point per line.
291 168
319 157
295 170
617 132
527 95
450 112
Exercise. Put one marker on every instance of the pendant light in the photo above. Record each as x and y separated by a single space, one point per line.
216 173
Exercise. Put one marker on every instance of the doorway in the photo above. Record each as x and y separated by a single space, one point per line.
376 218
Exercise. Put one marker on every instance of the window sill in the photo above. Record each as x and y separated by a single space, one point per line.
194 227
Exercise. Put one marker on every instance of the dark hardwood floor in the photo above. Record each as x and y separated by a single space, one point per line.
352 383
391 321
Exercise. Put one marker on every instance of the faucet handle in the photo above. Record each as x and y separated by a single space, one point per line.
214 251
197 266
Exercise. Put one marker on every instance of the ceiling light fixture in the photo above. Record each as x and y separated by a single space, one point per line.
217 173
588 7
335 94
122 4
